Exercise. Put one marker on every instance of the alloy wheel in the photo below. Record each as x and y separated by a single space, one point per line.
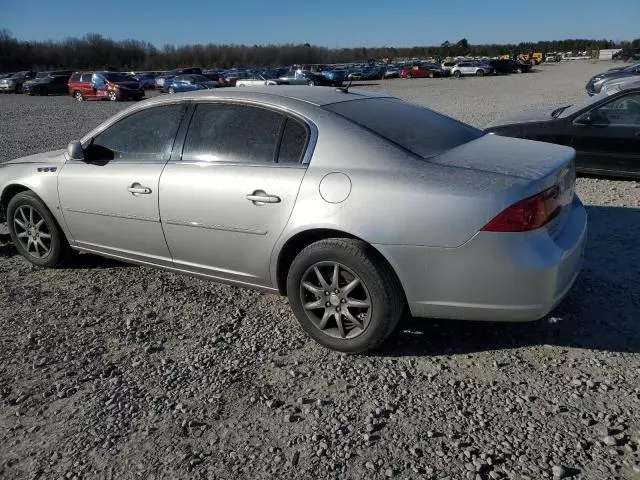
336 300
32 231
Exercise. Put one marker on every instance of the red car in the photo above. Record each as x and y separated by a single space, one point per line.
421 72
117 86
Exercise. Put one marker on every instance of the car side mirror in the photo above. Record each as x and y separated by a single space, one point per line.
75 151
586 119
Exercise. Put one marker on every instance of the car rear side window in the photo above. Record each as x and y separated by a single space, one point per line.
144 136
75 77
233 133
294 142
417 129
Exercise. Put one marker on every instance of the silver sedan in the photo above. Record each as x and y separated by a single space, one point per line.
255 81
356 206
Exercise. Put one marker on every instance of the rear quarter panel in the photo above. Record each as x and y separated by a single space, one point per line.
395 198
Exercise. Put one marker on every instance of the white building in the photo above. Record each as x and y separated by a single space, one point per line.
607 53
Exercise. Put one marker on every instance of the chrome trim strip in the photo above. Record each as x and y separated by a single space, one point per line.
224 228
128 216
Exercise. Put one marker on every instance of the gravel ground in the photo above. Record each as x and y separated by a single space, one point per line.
116 371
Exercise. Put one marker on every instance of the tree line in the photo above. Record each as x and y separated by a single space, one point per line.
93 51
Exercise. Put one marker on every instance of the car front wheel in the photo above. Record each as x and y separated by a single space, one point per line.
35 232
457 74
344 295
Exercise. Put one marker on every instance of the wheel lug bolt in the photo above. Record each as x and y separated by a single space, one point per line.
337 309
327 304
336 291
326 293
343 301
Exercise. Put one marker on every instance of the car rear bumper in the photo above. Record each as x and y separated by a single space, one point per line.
493 276
7 88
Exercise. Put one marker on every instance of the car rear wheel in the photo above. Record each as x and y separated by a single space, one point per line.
172 90
408 75
344 296
457 74
480 73
112 95
78 95
34 231
43 92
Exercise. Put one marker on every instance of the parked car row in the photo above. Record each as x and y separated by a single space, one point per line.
433 70
629 73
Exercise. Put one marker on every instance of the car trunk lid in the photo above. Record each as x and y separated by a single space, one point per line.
542 165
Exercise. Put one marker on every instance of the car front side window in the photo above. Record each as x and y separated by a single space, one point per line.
621 111
144 136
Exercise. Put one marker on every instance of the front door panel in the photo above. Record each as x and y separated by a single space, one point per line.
103 215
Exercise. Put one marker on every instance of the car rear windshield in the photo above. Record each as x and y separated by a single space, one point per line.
421 131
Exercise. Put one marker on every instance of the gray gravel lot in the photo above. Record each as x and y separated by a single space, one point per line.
116 371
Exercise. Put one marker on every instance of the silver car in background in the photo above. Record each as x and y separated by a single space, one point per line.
357 206
470 68
255 81
616 85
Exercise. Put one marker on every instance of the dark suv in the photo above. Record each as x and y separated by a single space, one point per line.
47 82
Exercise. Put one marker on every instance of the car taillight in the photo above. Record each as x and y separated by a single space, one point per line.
527 214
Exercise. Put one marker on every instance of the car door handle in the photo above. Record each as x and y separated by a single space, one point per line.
260 197
137 189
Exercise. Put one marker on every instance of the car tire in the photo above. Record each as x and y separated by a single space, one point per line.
43 92
480 73
35 233
431 75
172 90
457 74
78 95
409 76
112 96
365 287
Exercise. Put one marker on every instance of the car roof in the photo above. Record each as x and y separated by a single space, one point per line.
280 94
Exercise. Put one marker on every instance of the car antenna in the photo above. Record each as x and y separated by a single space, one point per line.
345 89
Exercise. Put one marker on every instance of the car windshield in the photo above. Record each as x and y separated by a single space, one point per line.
118 77
417 129
198 78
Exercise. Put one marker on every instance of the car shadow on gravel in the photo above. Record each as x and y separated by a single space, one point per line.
6 247
602 312
77 262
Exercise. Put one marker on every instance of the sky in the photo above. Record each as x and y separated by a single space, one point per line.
330 23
